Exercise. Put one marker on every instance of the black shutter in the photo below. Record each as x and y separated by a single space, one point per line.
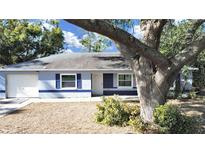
79 81
57 81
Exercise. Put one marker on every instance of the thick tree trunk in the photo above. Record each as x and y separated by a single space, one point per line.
151 91
150 94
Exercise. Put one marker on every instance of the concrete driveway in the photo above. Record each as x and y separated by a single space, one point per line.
10 105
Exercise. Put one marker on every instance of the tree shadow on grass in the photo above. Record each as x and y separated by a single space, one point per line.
194 108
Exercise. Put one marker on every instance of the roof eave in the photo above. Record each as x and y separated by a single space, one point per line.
71 70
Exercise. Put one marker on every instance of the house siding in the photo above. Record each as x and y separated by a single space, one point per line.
115 80
113 85
186 84
97 84
48 89
2 85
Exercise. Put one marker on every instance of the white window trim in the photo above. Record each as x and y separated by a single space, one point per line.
124 87
68 87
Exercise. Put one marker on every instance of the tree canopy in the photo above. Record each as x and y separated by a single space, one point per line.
22 40
95 42
173 38
173 41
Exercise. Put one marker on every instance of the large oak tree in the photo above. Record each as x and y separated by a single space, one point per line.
154 71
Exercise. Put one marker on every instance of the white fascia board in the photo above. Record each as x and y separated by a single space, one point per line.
71 70
193 68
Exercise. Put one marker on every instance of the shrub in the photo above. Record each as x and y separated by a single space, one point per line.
143 127
167 118
113 112
138 124
132 110
171 120
192 94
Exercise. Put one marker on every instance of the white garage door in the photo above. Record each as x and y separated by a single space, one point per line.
22 85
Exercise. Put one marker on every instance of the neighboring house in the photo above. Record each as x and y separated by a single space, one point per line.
69 75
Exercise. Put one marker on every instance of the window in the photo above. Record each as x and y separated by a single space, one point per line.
68 81
124 80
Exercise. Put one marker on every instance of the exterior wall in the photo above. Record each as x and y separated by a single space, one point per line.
2 85
113 86
186 84
97 84
47 86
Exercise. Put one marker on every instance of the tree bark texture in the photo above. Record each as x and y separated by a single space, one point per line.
150 93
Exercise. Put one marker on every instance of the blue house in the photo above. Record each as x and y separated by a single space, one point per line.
68 75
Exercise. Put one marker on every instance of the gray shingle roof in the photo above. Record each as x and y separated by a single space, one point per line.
72 61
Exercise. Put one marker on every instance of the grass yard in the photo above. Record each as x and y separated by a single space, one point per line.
73 118
56 118
193 107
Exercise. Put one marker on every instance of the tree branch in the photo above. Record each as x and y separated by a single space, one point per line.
152 31
134 45
192 49
192 30
189 53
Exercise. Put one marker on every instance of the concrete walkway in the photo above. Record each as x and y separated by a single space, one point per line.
10 105
91 99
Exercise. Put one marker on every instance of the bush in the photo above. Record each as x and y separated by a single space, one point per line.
192 94
113 112
167 118
132 110
138 124
171 120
